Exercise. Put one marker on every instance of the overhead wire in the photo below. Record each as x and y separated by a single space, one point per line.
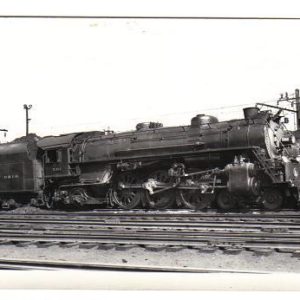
163 17
219 110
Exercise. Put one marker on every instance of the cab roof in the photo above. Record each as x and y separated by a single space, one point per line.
61 141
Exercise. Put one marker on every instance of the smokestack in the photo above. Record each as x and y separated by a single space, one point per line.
250 113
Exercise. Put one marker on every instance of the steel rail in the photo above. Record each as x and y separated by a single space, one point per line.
144 219
143 227
150 229
150 223
136 224
30 264
161 213
142 224
113 240
141 221
161 244
152 235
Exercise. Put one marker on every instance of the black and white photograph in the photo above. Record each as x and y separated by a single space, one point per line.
150 145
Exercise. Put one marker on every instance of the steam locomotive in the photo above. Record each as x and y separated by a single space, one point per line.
253 161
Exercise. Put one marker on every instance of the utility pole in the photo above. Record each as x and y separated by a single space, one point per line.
293 101
297 101
27 108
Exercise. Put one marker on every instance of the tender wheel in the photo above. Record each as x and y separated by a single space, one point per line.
226 201
126 198
193 199
272 199
163 200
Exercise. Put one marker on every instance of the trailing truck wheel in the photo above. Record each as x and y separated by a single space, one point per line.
78 196
272 199
226 201
194 199
126 198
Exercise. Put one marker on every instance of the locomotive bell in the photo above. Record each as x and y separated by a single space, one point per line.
203 119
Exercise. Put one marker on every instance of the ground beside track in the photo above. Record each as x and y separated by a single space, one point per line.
185 258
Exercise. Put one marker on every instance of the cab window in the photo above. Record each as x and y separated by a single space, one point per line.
53 156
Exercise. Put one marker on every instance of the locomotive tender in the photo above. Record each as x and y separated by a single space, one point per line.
250 161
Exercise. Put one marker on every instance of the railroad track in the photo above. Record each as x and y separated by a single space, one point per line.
152 212
155 230
33 264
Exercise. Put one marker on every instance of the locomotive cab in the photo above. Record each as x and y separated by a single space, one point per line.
57 156
56 162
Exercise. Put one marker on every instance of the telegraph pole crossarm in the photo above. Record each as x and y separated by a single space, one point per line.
295 101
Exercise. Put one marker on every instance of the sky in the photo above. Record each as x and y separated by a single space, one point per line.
91 74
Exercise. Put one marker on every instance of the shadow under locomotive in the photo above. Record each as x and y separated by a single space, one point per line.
252 161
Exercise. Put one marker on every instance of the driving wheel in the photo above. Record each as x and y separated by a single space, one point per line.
193 199
165 199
